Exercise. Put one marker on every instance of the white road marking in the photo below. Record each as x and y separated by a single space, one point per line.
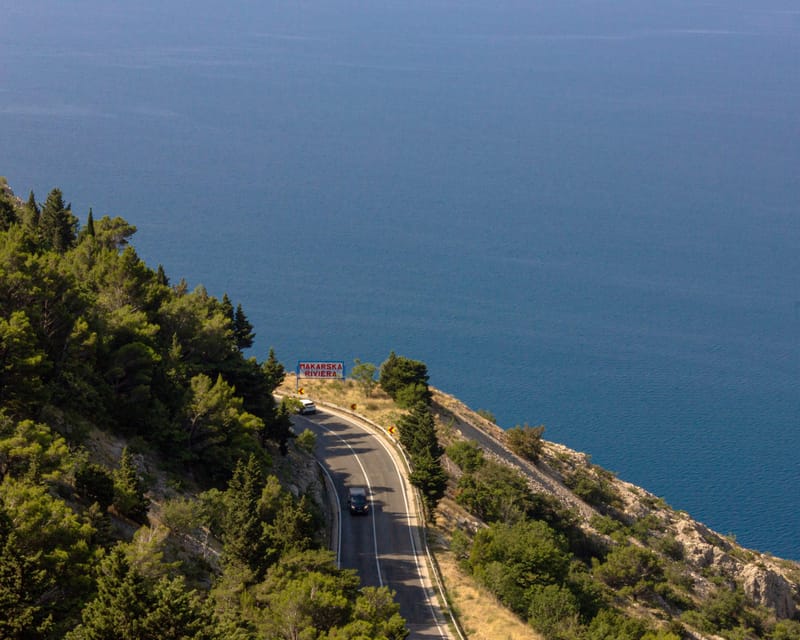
369 490
408 519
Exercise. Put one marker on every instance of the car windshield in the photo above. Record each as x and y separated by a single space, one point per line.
358 500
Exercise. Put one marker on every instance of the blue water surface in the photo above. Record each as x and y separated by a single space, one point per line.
578 213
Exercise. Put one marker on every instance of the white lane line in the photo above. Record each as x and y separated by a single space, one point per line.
369 490
408 520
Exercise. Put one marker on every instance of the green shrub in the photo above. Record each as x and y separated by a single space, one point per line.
397 373
673 596
609 624
553 610
307 440
495 492
786 630
644 527
525 441
670 547
723 608
460 545
631 566
466 454
592 489
606 524
182 514
510 559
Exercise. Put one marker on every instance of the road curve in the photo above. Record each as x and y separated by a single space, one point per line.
384 547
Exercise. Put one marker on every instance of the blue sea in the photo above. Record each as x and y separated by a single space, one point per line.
579 213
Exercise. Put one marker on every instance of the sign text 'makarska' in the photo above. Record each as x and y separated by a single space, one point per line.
318 369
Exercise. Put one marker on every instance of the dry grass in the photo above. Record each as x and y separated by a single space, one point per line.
481 616
378 408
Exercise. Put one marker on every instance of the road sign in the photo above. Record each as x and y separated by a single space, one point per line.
321 369
392 429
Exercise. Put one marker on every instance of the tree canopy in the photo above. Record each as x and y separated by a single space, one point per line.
92 340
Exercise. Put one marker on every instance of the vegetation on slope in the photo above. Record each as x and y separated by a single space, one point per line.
567 546
108 371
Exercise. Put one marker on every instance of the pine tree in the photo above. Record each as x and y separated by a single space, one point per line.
95 484
120 605
243 531
58 227
430 478
90 224
129 498
227 307
405 380
418 432
418 437
161 276
21 585
30 213
131 606
273 370
278 427
8 214
88 231
242 329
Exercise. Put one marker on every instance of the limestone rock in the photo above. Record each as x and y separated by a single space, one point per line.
768 588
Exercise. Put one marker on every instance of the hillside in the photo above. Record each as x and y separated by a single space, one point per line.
642 559
149 484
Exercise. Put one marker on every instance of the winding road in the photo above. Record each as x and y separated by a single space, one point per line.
385 547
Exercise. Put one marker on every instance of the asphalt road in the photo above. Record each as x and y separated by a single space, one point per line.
385 546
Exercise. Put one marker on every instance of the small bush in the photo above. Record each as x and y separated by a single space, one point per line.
786 630
182 515
525 441
631 566
553 610
670 547
606 525
460 545
466 454
596 491
307 441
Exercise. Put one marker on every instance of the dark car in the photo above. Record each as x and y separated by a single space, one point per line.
357 501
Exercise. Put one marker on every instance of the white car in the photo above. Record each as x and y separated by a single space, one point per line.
306 406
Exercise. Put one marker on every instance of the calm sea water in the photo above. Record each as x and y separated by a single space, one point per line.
582 214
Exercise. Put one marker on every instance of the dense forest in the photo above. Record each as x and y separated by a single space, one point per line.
95 344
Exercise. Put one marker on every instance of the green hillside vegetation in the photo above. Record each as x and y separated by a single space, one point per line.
115 382
151 486
572 550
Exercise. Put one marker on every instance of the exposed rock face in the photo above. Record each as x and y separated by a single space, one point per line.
768 588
